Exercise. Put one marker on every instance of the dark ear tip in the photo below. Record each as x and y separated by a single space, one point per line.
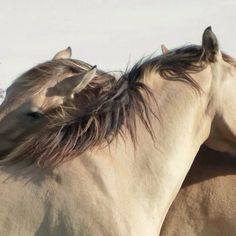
210 44
69 49
208 30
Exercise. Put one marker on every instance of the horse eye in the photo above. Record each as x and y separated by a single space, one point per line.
35 115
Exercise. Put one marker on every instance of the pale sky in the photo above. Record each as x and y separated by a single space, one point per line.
110 34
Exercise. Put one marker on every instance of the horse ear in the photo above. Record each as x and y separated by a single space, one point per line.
63 54
72 85
210 45
164 49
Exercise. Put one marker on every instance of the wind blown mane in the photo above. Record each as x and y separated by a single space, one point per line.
107 107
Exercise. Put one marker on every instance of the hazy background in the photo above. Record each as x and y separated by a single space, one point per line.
110 34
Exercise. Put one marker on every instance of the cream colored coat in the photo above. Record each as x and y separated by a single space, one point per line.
205 205
117 190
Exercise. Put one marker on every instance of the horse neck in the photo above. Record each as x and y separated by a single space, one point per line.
184 126
156 169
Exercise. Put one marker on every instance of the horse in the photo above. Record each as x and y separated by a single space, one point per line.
102 156
206 202
201 207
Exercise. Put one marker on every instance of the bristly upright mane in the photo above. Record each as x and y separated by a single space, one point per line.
177 64
104 109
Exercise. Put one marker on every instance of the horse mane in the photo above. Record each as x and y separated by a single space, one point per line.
177 64
95 116
105 108
36 78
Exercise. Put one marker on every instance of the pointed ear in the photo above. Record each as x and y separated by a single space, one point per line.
72 85
210 45
64 54
164 49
